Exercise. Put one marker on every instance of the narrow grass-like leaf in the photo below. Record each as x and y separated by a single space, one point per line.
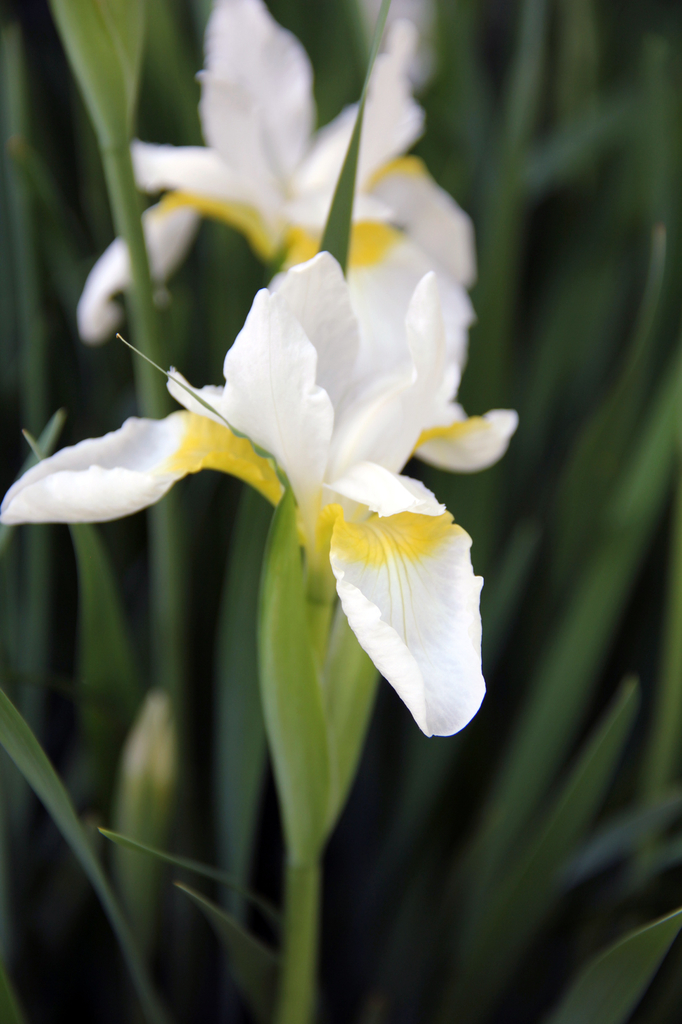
337 231
107 668
291 693
575 650
620 836
10 1010
609 988
516 907
31 760
222 877
254 965
240 755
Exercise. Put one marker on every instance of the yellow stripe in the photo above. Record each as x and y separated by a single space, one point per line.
370 241
236 215
413 166
208 445
455 431
378 540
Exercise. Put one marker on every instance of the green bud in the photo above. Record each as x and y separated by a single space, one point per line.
103 40
143 805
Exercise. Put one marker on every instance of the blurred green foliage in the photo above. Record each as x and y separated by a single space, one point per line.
470 878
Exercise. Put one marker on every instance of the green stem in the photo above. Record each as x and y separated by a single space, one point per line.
296 998
153 400
662 757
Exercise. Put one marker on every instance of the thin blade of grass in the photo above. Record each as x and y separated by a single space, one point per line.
10 1010
29 757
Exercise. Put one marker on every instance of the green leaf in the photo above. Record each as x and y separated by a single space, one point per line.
29 757
222 877
620 836
107 670
575 650
290 692
608 989
254 965
516 907
240 746
103 40
349 684
337 231
10 1010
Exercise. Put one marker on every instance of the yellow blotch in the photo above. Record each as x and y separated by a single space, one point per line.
456 430
378 540
370 241
240 216
412 166
209 445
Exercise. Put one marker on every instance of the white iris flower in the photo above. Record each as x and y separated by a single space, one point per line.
341 423
266 173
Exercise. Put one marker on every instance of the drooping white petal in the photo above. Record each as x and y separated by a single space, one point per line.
468 445
411 597
130 468
271 395
384 492
430 216
168 234
271 83
317 294
380 294
196 170
99 479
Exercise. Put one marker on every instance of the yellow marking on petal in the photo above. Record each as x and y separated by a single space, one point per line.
378 540
369 243
300 246
209 445
413 166
241 216
455 431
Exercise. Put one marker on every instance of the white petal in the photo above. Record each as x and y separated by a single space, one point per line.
385 422
99 479
271 81
317 294
271 395
430 216
384 492
168 234
380 294
393 120
211 394
411 597
422 14
196 170
469 445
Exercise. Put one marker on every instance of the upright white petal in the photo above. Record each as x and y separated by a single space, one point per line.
393 120
168 234
422 14
101 478
270 80
380 295
317 294
271 395
430 216
411 597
